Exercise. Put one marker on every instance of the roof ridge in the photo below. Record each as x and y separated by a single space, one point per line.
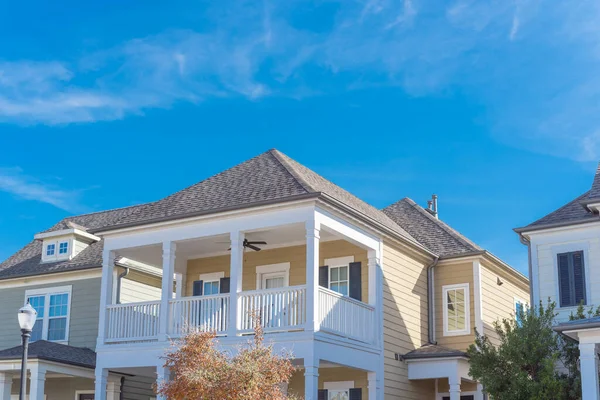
456 234
104 211
281 158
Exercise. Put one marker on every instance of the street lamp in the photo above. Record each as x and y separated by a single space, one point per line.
27 316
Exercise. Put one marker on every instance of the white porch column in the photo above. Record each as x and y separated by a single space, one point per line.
5 386
100 383
479 392
106 292
167 288
589 371
374 386
236 266
113 388
311 377
454 382
37 383
162 375
312 276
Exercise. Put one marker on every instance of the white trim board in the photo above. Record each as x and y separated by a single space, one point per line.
46 279
340 385
467 301
283 268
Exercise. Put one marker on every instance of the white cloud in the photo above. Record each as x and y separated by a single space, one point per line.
539 92
15 182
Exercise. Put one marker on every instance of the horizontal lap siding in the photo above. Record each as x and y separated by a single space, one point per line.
498 300
453 274
405 321
85 303
138 388
295 255
137 287
60 388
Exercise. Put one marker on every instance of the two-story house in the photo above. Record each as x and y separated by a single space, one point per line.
564 262
372 303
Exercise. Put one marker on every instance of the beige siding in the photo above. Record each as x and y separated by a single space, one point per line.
498 301
295 255
359 377
138 388
136 287
60 388
453 274
85 303
405 321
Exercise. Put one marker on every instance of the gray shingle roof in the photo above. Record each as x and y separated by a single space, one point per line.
50 351
571 213
433 233
269 177
594 192
433 351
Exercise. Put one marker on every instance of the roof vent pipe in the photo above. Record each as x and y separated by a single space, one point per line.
430 205
434 200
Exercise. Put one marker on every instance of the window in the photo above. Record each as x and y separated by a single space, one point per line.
571 279
50 249
343 394
521 307
344 390
338 279
272 276
63 248
53 308
456 310
211 287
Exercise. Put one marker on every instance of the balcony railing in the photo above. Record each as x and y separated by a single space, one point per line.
205 313
280 310
346 317
132 322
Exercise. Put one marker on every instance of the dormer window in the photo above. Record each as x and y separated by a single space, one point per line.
63 248
50 249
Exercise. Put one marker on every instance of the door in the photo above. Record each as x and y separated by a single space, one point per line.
86 397
465 397
274 310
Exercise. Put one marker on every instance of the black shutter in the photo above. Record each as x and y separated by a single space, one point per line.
356 393
198 288
564 280
578 277
322 394
224 285
324 276
355 281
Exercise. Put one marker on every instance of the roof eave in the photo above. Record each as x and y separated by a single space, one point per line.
535 228
288 199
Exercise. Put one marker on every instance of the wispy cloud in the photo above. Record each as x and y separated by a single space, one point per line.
17 183
532 63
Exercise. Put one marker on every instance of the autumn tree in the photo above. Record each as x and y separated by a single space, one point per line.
201 370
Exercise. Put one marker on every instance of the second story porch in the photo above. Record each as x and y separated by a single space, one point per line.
318 274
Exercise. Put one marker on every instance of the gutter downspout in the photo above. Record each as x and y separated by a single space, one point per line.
431 300
119 277
528 244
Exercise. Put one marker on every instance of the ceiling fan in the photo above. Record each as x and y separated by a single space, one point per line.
252 245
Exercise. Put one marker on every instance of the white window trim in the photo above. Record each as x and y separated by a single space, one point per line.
467 329
47 292
337 262
340 385
56 256
569 248
79 392
212 277
283 268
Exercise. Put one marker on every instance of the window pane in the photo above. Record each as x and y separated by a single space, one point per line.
456 311
343 273
63 248
335 287
57 329
37 302
50 250
273 283
36 332
58 305
343 288
334 274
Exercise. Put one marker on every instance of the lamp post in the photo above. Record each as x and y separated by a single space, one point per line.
27 316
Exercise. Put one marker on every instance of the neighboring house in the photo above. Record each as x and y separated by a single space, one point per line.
564 262
343 285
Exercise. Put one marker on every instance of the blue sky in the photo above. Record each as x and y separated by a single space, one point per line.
493 105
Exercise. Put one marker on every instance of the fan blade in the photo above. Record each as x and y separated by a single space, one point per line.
253 247
260 242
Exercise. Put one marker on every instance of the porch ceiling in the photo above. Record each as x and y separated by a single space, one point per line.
212 245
